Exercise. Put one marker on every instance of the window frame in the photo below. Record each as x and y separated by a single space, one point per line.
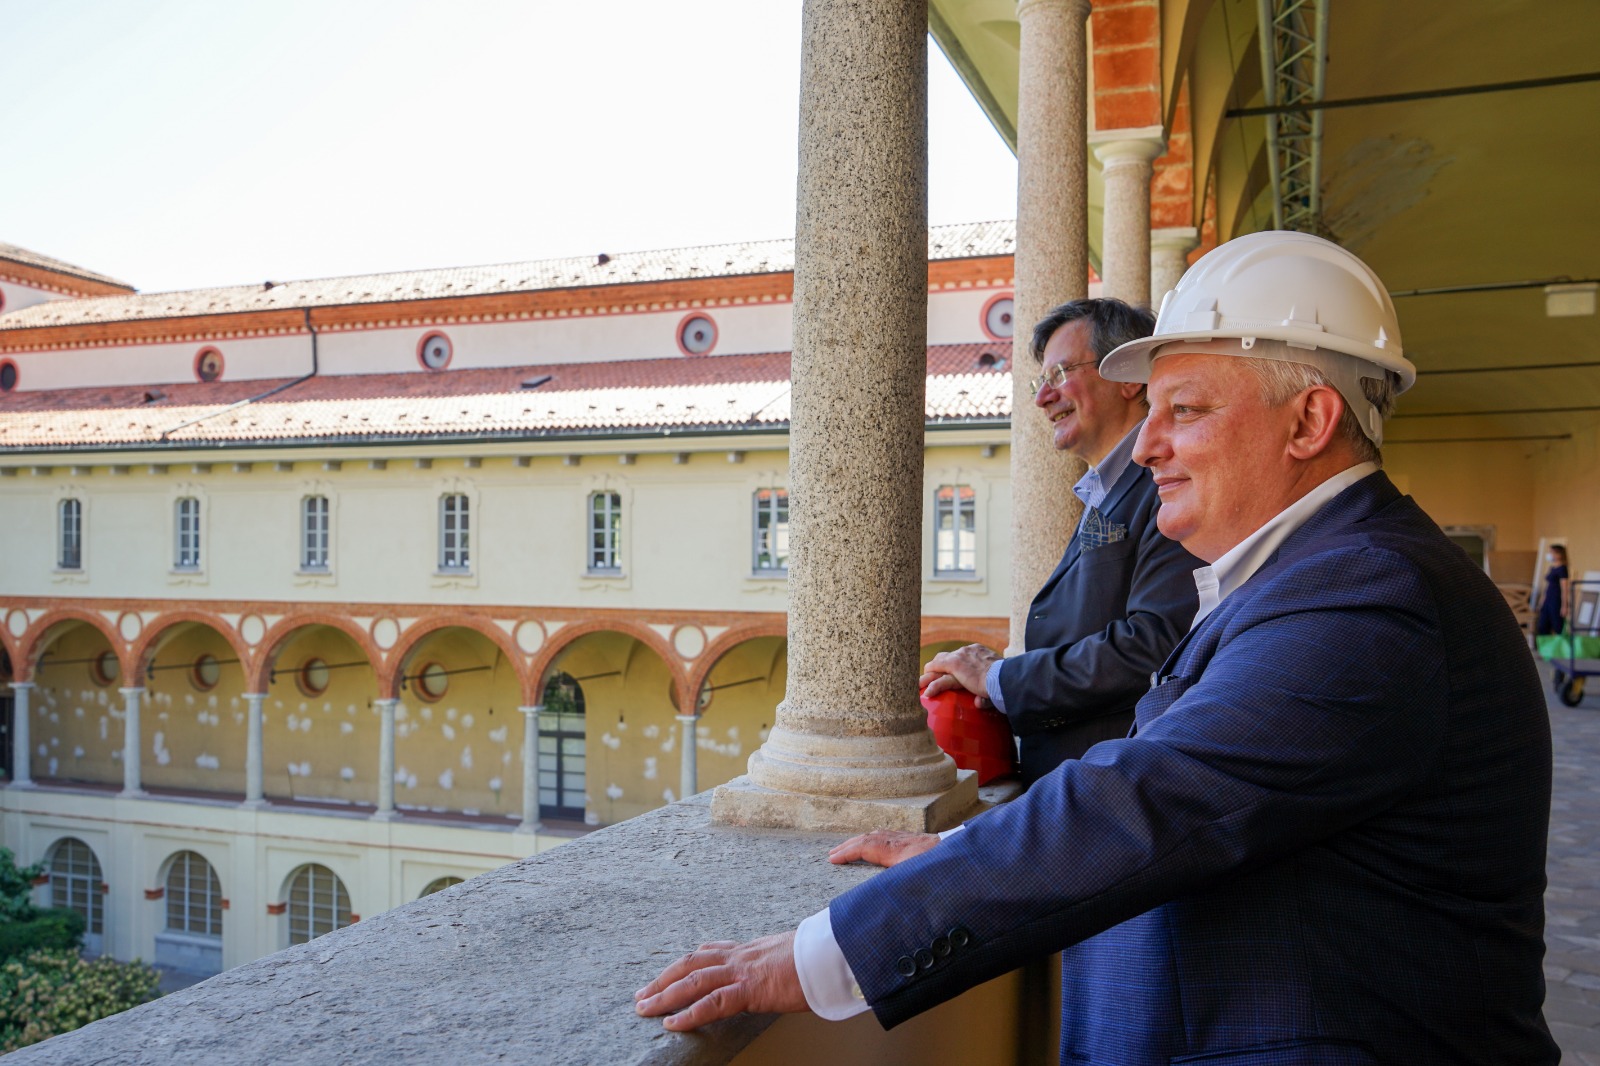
455 533
70 877
316 533
180 885
187 528
603 532
69 534
335 912
776 510
963 503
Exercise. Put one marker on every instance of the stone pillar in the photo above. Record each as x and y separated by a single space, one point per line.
530 769
254 754
849 748
1052 266
1169 258
131 755
1126 158
21 738
385 811
688 771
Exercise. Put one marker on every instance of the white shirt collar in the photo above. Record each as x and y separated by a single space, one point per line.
1215 582
1096 483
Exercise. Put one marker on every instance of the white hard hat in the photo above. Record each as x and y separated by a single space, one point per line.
1305 292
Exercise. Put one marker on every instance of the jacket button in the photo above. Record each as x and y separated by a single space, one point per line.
941 947
905 966
924 959
960 937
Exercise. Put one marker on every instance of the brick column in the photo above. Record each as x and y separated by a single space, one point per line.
131 755
254 752
1052 266
530 769
21 740
385 811
688 772
1126 157
850 749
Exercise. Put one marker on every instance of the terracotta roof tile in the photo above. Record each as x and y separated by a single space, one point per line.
21 255
965 241
718 393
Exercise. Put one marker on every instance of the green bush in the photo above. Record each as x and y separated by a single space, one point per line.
55 929
47 993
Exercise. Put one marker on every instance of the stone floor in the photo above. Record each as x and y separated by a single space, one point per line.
1572 903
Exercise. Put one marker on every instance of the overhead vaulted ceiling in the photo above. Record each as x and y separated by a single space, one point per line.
1451 191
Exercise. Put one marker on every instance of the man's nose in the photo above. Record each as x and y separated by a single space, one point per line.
1044 394
1150 444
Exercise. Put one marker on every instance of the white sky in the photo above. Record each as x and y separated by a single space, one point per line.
186 143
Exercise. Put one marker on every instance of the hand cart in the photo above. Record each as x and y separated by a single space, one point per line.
1576 656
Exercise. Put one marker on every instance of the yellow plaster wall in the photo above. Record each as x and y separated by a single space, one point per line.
1567 497
462 751
322 746
632 754
76 720
193 738
737 718
1482 484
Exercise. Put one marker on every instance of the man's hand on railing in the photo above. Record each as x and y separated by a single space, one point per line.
723 978
882 847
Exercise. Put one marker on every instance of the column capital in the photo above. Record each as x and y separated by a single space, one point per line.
132 690
1080 8
1144 144
21 684
253 695
532 709
687 717
390 700
1176 238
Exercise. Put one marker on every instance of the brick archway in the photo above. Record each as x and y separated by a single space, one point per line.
260 675
44 631
569 635
158 632
413 637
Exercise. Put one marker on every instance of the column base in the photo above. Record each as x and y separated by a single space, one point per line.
529 828
254 805
743 802
133 793
385 816
21 785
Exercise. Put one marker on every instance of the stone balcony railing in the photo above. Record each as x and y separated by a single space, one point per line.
537 962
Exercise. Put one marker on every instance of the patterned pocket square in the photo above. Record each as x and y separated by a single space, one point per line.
1097 531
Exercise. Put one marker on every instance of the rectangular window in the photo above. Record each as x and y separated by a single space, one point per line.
314 533
69 536
454 533
188 553
955 530
605 531
771 531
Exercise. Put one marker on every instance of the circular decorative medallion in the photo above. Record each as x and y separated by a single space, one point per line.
385 631
529 636
130 626
689 641
252 628
17 622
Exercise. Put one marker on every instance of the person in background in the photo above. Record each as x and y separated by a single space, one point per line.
1553 602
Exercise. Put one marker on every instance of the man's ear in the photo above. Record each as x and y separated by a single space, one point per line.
1132 390
1317 414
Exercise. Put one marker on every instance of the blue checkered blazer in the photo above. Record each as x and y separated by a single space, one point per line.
1323 844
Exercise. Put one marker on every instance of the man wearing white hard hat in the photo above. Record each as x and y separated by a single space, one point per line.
1324 841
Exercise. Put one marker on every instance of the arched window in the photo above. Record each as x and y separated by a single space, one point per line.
194 896
439 884
318 903
561 749
76 883
69 534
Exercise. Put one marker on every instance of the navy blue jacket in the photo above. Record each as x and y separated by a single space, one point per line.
1324 844
1106 618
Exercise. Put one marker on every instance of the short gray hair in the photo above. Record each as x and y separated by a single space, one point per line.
1282 381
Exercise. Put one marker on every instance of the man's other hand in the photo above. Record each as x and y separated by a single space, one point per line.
963 668
882 847
722 979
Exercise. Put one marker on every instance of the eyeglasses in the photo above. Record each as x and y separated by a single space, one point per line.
1056 376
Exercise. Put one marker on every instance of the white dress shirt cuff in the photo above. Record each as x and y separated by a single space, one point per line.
951 832
825 977
991 686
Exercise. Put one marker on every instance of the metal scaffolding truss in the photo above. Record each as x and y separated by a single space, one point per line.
1294 62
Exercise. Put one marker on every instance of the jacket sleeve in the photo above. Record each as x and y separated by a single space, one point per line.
1108 670
1317 711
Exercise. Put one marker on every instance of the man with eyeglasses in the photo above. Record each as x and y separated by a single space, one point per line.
1121 596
